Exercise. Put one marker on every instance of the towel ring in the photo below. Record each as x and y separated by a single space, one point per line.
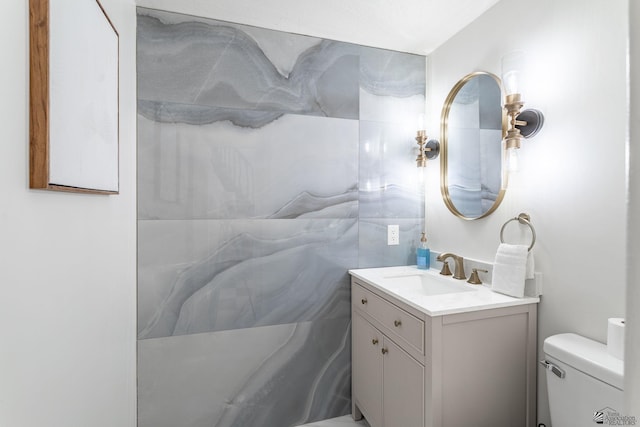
524 219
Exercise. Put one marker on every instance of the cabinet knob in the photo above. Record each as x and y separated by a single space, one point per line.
397 323
374 341
363 300
384 351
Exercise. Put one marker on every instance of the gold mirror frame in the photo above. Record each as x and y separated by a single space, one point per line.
444 148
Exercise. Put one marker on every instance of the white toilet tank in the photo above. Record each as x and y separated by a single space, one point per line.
584 382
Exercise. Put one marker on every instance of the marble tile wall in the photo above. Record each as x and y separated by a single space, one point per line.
268 165
344 421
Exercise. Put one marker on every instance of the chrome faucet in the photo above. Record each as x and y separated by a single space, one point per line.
459 264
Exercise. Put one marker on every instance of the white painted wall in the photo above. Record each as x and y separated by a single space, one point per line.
67 263
572 175
632 373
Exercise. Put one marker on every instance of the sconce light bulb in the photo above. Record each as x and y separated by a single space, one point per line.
511 66
510 82
420 122
421 179
512 159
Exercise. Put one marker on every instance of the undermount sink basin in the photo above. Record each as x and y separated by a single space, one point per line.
426 284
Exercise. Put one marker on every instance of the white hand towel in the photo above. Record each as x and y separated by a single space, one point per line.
510 270
531 267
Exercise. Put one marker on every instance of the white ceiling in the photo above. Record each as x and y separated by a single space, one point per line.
417 26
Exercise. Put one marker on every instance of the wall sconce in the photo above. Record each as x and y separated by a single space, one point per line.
520 123
427 150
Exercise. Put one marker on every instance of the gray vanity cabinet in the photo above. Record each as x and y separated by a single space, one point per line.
367 373
410 369
388 382
403 391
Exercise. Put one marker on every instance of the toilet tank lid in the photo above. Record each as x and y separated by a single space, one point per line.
586 355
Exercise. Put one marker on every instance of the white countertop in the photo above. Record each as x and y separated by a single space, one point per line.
405 284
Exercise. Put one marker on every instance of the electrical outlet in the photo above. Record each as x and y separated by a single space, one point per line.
393 235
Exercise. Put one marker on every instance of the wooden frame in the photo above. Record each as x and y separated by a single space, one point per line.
74 100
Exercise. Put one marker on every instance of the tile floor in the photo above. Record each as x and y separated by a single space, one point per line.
345 421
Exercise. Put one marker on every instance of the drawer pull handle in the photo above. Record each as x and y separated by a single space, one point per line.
384 351
363 300
397 323
374 341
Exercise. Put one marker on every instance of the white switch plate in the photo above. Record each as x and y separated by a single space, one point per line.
393 235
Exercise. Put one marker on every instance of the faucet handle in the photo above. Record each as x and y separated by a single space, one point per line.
475 278
445 269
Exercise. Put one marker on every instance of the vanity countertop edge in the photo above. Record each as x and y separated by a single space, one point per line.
478 297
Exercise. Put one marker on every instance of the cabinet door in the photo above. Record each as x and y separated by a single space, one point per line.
367 370
403 391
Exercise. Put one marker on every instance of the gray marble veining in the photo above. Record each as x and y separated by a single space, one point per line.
284 375
242 274
220 64
389 181
268 165
192 114
374 230
344 421
297 166
389 73
214 63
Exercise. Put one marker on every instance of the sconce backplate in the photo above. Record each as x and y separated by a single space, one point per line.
434 149
534 119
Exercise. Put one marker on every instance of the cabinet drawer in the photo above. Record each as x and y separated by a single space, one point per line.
398 323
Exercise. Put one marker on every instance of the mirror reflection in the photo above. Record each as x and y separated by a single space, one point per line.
472 132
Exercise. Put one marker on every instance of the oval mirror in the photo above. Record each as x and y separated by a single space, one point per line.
472 128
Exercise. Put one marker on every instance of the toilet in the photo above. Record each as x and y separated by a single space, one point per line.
584 382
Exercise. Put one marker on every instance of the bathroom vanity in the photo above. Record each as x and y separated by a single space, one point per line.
432 351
